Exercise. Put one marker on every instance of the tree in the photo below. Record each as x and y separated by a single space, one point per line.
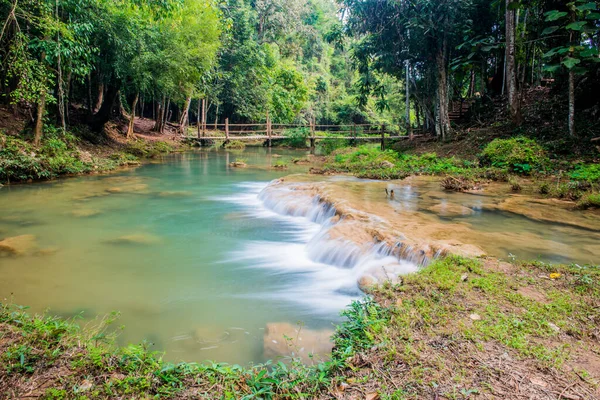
579 24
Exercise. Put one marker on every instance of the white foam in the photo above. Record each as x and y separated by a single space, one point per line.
323 272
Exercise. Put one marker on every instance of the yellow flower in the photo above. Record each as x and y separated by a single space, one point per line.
554 275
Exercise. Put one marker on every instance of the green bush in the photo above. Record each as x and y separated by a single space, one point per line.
296 137
586 172
590 200
519 155
235 145
328 146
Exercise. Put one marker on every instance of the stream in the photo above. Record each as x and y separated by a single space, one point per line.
205 264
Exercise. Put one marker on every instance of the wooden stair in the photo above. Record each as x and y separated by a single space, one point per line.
459 109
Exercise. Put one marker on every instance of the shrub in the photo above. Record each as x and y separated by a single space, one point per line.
589 200
327 147
586 172
520 155
296 137
235 145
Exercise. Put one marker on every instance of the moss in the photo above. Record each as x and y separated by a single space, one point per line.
235 145
590 200
520 155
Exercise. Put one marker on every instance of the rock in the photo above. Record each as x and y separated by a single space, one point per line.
276 156
85 213
450 210
17 245
285 339
114 190
554 327
85 156
85 386
367 283
386 164
238 164
175 193
136 239
464 277
475 317
48 251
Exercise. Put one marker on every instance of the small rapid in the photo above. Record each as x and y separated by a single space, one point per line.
326 270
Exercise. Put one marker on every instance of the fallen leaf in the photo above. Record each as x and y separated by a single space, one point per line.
475 317
538 381
372 396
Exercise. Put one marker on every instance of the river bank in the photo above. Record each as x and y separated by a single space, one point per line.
458 328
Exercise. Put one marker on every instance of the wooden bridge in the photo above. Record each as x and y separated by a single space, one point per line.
268 132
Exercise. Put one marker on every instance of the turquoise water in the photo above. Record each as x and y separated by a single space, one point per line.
205 264
167 246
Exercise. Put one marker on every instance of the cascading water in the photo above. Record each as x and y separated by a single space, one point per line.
329 269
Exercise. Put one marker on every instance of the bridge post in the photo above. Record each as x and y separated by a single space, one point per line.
226 130
203 117
312 133
382 137
268 129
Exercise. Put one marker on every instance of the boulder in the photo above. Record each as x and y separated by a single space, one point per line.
451 210
284 339
175 193
17 245
85 213
143 239
47 251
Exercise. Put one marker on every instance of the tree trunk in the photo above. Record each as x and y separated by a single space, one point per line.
217 117
105 112
198 122
90 109
160 110
39 122
407 101
203 117
184 116
132 118
100 98
571 103
511 73
443 120
41 109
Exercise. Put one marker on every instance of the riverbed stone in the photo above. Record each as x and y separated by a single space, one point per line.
47 251
18 245
238 164
451 210
175 193
85 213
285 339
144 239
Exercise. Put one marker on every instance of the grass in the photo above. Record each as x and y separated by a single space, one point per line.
457 328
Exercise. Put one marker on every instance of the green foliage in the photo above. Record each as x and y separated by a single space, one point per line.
580 23
590 200
147 149
235 145
370 162
586 172
520 155
296 137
